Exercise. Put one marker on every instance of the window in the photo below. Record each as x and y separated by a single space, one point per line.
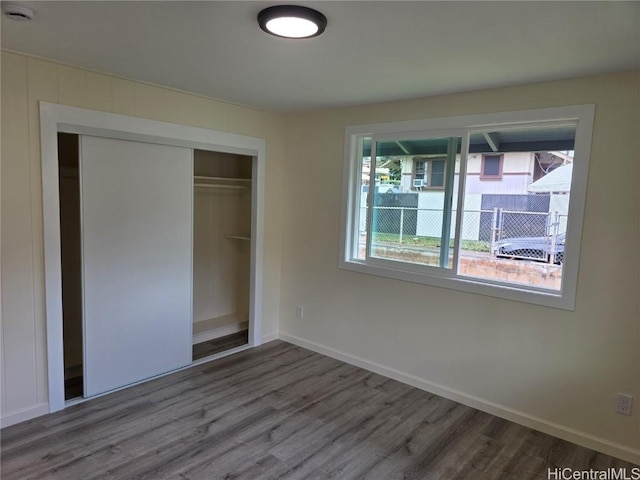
437 173
428 173
419 176
491 167
518 239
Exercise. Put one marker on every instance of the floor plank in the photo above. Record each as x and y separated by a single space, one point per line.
281 412
217 345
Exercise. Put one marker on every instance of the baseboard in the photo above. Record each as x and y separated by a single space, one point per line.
565 433
219 332
269 337
23 415
6 420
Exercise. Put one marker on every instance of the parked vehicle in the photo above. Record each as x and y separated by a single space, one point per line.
532 248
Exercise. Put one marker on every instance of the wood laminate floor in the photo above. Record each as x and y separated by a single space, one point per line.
211 347
281 412
74 386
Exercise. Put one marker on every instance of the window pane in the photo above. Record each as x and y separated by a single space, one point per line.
364 152
408 223
437 173
491 165
513 229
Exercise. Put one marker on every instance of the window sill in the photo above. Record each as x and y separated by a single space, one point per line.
525 294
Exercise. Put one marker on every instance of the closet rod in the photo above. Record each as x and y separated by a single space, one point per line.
206 185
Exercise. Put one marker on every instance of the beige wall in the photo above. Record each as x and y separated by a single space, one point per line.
25 81
553 368
558 369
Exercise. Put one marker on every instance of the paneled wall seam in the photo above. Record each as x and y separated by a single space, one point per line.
33 245
2 339
111 100
40 88
17 151
3 380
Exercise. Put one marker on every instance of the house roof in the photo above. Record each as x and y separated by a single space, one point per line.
556 181
371 51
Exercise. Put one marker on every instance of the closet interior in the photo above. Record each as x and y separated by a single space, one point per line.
221 266
221 251
71 263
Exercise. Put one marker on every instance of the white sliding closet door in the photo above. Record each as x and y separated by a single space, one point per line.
137 241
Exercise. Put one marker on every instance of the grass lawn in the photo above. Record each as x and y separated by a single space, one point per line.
429 242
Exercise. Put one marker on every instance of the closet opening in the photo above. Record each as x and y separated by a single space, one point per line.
121 309
221 251
222 202
70 256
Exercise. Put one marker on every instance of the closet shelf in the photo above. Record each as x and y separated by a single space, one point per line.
224 180
221 182
228 179
237 236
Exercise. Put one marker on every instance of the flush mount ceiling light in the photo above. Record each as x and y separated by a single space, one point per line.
292 21
17 12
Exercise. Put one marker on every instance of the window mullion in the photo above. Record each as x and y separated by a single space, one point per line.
356 178
447 209
370 197
462 178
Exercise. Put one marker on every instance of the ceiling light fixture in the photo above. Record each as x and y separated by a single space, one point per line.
17 12
292 21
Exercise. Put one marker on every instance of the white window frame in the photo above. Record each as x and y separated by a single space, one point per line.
580 115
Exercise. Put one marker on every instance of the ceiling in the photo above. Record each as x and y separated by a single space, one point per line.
370 52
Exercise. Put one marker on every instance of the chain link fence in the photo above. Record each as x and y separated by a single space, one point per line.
529 235
497 232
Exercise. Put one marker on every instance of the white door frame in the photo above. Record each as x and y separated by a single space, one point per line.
59 118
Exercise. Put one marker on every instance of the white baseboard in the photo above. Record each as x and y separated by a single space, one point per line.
269 337
516 416
219 332
23 415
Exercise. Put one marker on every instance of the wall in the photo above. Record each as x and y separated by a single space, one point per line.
516 174
25 81
555 370
552 369
513 162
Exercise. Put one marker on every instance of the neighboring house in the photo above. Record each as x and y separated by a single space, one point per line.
494 181
487 173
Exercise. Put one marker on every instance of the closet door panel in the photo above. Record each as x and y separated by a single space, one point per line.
137 241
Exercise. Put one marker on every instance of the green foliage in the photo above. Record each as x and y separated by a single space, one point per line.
428 242
395 174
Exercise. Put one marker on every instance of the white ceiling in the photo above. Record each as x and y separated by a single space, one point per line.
371 51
